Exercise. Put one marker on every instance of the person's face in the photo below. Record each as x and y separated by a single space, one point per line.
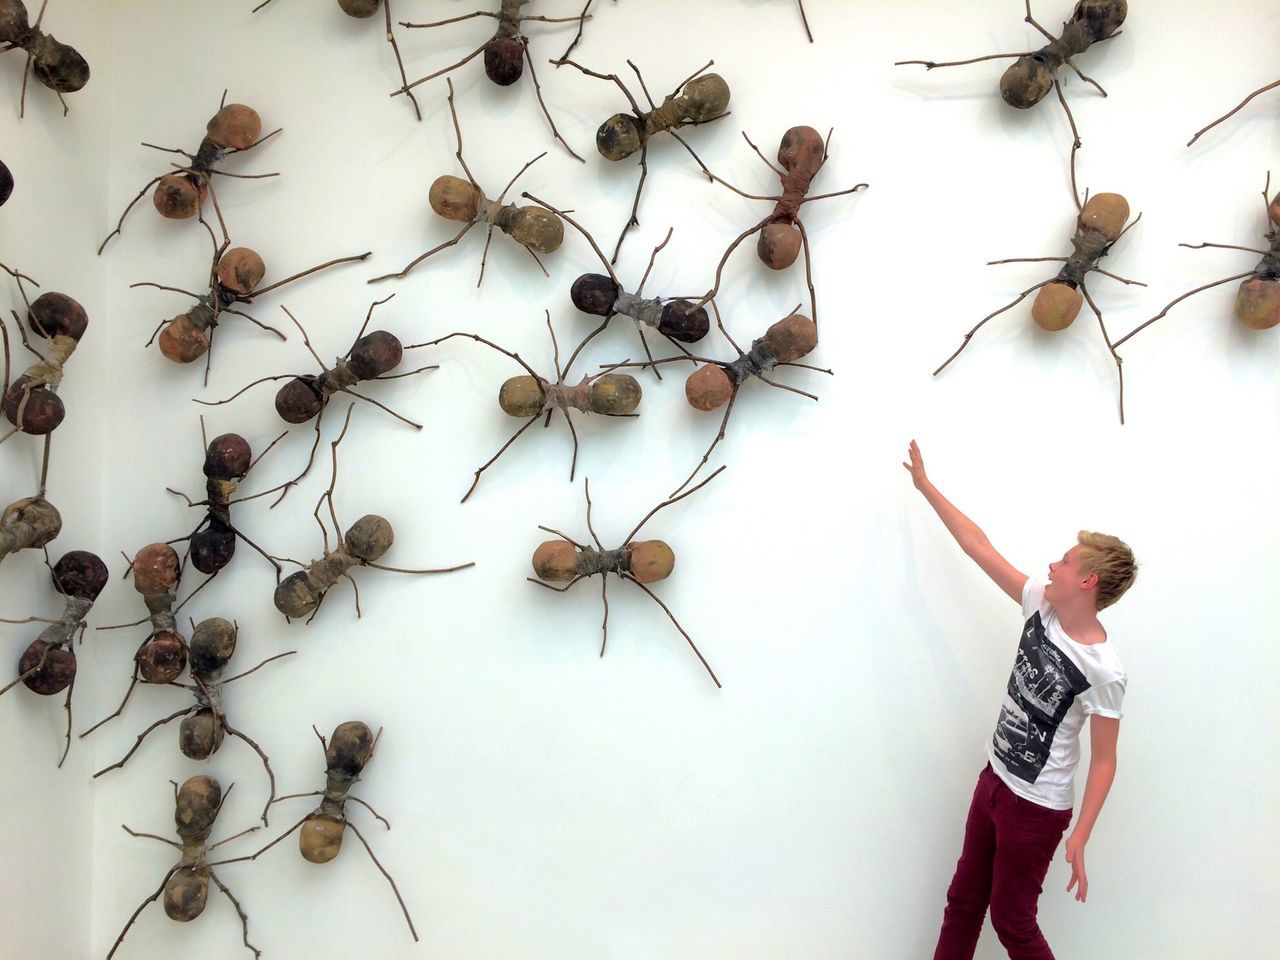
1067 578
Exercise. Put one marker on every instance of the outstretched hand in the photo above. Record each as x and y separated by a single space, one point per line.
916 466
1075 857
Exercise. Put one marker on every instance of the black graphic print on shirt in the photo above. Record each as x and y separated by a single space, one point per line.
1042 687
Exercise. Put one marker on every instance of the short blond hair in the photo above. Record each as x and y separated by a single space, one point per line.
1111 559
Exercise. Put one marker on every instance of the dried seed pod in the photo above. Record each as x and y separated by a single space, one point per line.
778 245
682 321
235 127
521 396
594 293
350 749
213 642
58 66
374 354
37 512
1101 17
320 839
57 315
162 658
504 60
14 24
537 229
299 400
199 800
57 673
155 568
802 150
42 409
200 735
455 199
704 98
1025 82
651 560
297 596
1107 213
240 270
81 574
619 137
183 341
227 457
185 893
369 537
178 197
555 560
791 338
708 387
1258 303
615 394
1056 306
359 8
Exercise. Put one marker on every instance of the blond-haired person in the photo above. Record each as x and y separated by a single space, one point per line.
1066 671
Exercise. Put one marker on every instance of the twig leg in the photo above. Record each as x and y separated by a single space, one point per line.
244 920
383 871
142 906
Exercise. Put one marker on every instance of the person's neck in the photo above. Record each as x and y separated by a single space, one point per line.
1081 624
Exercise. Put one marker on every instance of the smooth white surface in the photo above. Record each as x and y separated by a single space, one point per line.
547 803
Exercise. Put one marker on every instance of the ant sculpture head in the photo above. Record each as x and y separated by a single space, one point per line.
1102 17
359 8
619 137
369 538
240 270
504 60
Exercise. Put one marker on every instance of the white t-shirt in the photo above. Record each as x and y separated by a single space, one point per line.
1054 685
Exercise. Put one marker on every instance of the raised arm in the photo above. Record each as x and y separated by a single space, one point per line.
967 533
1103 734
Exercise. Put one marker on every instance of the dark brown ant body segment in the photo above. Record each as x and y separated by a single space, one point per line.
802 153
186 886
204 725
31 402
1100 222
320 839
715 384
362 9
227 461
233 278
505 53
365 541
6 184
48 665
639 561
464 201
534 396
680 321
700 99
162 655
234 129
306 396
1258 299
57 65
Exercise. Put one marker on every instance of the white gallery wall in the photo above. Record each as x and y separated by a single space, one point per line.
545 802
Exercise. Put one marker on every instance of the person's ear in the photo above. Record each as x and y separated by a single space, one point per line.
1089 582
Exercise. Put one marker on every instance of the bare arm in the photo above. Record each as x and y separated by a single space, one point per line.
967 533
1103 734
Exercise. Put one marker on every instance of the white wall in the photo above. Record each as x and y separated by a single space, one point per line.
546 803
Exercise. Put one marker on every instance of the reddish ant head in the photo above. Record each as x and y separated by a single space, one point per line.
183 340
651 560
178 197
212 644
296 596
504 60
708 387
42 409
57 673
455 199
161 659
778 245
200 735
212 548
522 396
681 321
320 839
359 8
803 150
1258 303
375 354
614 394
594 293
13 21
555 560
57 315
81 574
299 400
1056 306
619 137
228 457
199 800
369 537
235 127
1102 17
241 270
1107 213
791 338
1026 82
6 183
155 569
57 65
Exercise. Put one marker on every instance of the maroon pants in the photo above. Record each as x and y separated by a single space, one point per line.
1008 845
